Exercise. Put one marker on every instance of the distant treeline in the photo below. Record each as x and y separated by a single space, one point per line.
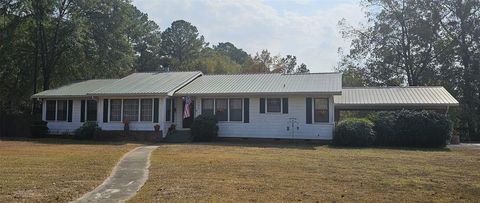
48 43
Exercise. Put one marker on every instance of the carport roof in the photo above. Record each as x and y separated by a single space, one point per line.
384 97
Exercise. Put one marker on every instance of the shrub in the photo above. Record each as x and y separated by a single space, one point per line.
38 129
383 126
354 132
422 129
88 130
204 128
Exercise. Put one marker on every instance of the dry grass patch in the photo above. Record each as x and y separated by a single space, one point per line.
50 170
278 173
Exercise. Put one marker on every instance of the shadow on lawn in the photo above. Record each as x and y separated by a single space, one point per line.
283 144
444 149
67 141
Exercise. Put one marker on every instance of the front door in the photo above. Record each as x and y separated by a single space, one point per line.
187 122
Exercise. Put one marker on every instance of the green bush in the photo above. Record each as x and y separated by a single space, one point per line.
383 126
87 131
204 128
354 132
39 129
422 129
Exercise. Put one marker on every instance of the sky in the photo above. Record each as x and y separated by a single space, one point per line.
307 29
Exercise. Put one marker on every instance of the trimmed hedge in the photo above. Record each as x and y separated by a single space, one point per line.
422 129
403 128
383 126
354 132
204 128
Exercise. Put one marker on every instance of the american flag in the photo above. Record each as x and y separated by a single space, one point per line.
186 111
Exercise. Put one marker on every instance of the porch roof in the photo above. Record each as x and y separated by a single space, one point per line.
77 89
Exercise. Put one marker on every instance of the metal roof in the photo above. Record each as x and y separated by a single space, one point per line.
78 89
394 96
330 83
150 83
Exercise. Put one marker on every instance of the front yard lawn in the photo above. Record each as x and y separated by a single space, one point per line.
221 172
51 170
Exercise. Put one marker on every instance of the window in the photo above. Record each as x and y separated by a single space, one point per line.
274 104
91 110
221 109
115 110
207 106
320 113
235 109
146 110
168 116
51 106
61 110
130 110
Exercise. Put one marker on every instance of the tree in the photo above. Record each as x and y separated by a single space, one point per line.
302 69
212 62
145 36
285 65
400 42
460 62
235 54
262 63
412 42
181 44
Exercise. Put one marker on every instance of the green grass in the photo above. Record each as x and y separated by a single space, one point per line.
223 172
54 170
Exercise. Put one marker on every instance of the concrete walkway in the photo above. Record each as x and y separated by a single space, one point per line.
126 179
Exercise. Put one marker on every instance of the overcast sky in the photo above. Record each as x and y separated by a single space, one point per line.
304 28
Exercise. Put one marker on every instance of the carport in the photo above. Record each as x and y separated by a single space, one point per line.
393 98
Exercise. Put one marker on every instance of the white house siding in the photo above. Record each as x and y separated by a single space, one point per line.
274 125
59 127
134 125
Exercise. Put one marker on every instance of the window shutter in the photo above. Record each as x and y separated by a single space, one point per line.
173 110
262 105
246 110
168 110
155 110
82 111
285 105
309 110
105 110
70 110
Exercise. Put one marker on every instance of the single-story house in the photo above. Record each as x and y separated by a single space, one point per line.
288 106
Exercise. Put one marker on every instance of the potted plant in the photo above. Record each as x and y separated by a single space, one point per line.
126 125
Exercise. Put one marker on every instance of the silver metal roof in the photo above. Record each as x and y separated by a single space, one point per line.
151 83
394 96
330 83
79 89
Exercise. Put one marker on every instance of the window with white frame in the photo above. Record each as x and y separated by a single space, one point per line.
224 109
61 110
50 111
320 111
221 109
207 106
274 105
115 110
235 109
91 110
130 110
146 110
